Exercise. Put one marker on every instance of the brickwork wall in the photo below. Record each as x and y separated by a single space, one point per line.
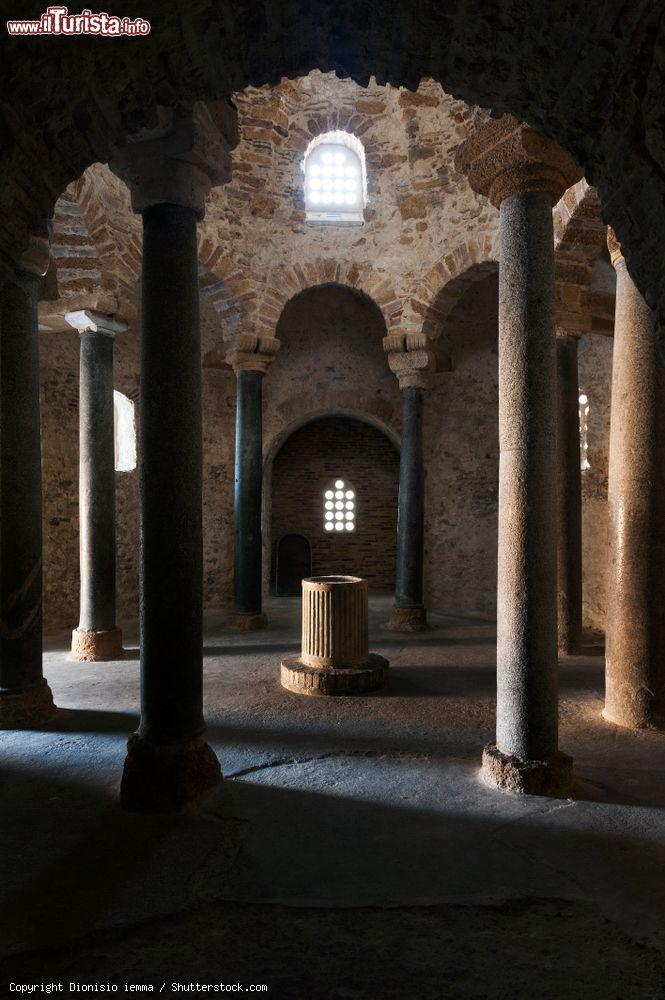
307 465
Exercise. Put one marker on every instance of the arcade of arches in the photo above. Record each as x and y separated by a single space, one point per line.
454 391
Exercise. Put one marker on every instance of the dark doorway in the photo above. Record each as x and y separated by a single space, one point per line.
293 562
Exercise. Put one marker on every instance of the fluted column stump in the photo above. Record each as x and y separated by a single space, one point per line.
334 657
524 174
25 697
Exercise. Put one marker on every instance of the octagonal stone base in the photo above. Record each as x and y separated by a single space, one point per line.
407 619
91 646
168 778
302 679
553 777
26 709
247 623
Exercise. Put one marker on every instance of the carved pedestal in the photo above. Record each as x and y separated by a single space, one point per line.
334 657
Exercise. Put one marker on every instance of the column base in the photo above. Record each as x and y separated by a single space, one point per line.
637 719
302 679
91 646
168 777
407 619
552 777
247 622
27 709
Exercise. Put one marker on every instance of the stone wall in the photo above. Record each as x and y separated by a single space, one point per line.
308 464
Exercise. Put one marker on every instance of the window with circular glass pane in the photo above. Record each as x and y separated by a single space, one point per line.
335 184
339 507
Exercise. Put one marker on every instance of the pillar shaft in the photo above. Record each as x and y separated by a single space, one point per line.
635 649
248 493
171 469
24 694
411 510
97 483
570 497
526 612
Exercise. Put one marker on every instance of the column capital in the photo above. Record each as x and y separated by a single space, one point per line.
505 157
181 158
410 358
568 332
252 353
88 321
36 257
614 248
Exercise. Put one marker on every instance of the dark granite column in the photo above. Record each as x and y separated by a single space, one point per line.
635 630
524 174
569 482
408 613
25 697
247 502
411 359
97 636
169 765
250 356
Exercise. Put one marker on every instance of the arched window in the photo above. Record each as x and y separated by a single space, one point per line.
124 433
335 179
339 507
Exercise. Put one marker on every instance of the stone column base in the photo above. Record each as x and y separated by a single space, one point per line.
247 622
26 709
168 777
407 619
90 646
302 679
553 777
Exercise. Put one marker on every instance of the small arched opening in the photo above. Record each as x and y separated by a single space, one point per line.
314 458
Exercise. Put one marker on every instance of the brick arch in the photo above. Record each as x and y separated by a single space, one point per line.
285 283
221 279
446 282
52 131
580 237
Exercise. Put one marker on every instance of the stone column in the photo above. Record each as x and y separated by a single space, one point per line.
524 174
569 482
635 631
334 655
169 766
411 360
25 697
250 358
97 636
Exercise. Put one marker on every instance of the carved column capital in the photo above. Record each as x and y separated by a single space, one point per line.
252 353
505 157
614 247
88 321
36 257
410 358
178 161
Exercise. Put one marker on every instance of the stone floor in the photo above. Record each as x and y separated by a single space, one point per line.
352 851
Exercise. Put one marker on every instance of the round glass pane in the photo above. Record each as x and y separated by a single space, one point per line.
329 515
327 156
349 494
339 505
329 494
329 526
349 526
315 169
339 495
349 505
350 515
329 505
339 526
339 484
339 516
